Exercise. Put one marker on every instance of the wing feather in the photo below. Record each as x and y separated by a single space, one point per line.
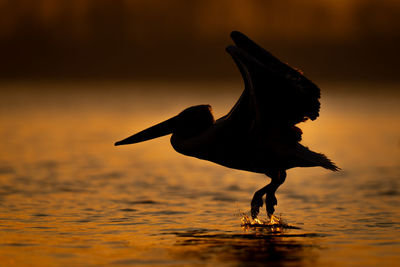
289 88
275 94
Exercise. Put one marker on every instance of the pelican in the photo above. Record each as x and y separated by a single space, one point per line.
259 134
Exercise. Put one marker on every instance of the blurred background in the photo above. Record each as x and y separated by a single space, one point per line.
332 40
78 75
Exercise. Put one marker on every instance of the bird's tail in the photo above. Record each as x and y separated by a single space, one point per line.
325 162
311 158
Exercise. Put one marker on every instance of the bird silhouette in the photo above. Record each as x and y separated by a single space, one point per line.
259 133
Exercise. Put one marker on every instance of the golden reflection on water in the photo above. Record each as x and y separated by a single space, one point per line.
70 198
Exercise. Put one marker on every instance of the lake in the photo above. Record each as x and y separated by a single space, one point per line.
68 197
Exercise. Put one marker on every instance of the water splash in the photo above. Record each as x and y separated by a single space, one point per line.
273 224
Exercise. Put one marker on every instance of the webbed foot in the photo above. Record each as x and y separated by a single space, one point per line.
270 202
256 204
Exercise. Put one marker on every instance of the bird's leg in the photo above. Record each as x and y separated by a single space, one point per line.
257 201
277 178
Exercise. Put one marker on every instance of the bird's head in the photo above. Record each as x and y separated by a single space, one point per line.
190 122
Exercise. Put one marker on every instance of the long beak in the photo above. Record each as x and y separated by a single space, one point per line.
158 130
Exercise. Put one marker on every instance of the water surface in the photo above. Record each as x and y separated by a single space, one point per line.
68 197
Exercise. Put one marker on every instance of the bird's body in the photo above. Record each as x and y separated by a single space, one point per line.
234 148
259 133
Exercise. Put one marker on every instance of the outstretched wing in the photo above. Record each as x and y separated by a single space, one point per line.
275 94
